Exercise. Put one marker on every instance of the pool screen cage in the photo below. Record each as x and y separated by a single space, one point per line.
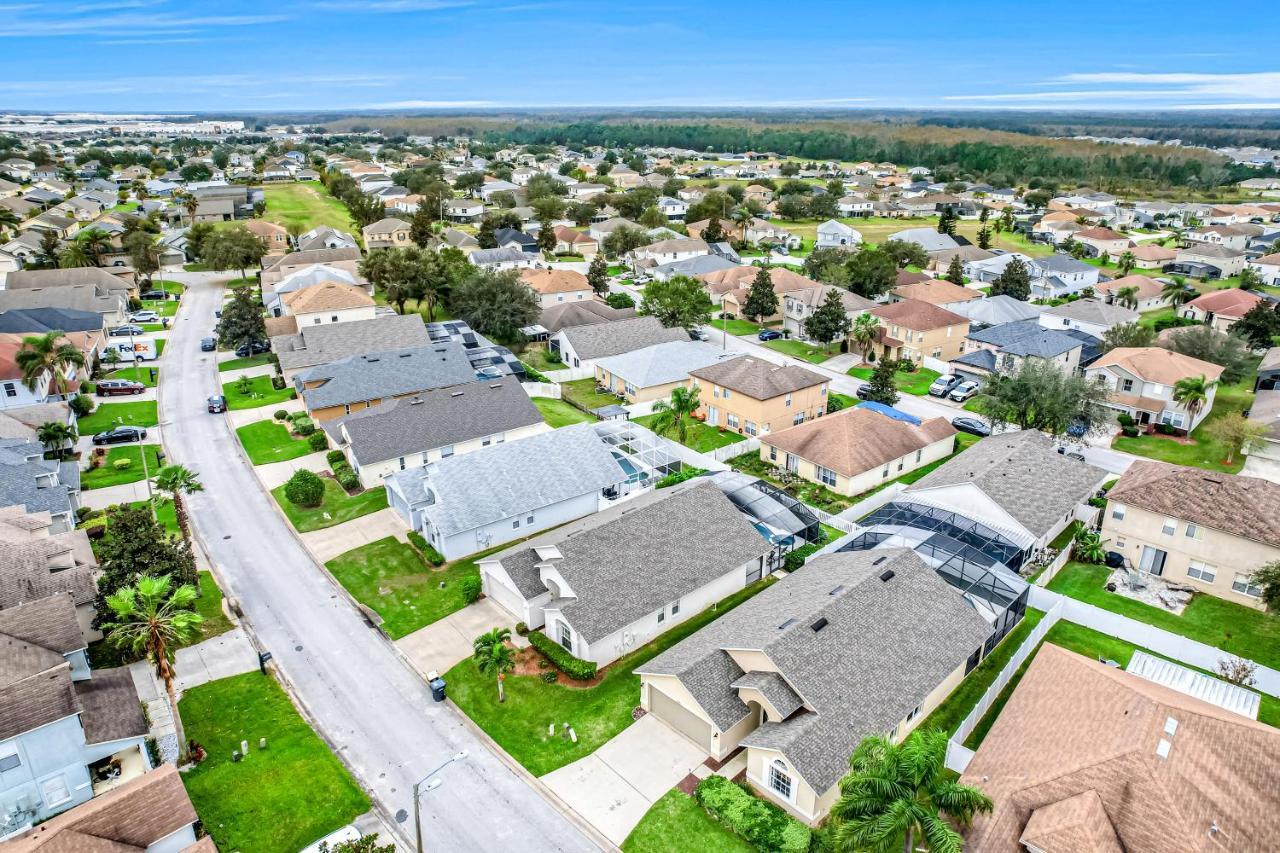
645 449
782 516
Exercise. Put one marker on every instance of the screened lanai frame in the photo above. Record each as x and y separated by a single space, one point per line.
640 445
785 516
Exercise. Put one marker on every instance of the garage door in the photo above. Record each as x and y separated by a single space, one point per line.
504 595
680 718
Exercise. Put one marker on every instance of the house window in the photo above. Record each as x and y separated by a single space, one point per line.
901 462
826 476
715 390
1194 531
1201 572
780 780
566 636
798 419
630 389
919 455
55 791
1169 527
915 712
1126 385
529 520
937 351
885 472
1242 585
793 463
727 395
662 615
10 390
515 524
401 463
773 453
446 451
1117 511
675 608
10 761
749 428
732 420
788 401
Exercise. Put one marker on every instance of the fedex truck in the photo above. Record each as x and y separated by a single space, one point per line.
134 348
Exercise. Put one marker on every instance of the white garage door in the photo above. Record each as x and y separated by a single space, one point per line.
680 718
504 595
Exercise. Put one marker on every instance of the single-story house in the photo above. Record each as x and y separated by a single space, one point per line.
935 291
836 235
928 239
581 346
650 373
312 346
1149 293
1091 316
1220 308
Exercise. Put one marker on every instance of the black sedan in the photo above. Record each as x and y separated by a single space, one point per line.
973 426
253 348
120 435
208 345
217 404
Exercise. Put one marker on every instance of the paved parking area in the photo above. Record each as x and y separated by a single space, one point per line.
440 645
616 785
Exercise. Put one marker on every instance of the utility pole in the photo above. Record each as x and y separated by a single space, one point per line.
417 816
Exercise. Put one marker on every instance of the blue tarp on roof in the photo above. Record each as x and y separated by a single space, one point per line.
890 412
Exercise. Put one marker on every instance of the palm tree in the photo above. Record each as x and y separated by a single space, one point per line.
1127 296
191 205
493 656
97 243
48 355
153 618
895 793
1126 263
1192 392
675 412
55 436
75 255
176 481
864 333
1177 292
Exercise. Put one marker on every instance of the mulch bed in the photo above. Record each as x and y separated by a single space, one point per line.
531 662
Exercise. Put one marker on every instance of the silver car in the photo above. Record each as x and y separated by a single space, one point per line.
964 391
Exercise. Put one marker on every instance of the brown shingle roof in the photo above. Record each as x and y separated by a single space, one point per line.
1241 506
327 296
936 291
758 379
1231 302
917 315
1158 365
857 440
1074 725
555 281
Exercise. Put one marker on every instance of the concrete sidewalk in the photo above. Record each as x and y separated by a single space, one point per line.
275 474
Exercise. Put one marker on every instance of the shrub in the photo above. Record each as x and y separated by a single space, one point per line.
471 588
281 415
96 528
574 667
333 457
122 464
293 395
533 374
431 555
318 441
906 365
763 824
550 677
1100 503
1166 429
795 559
614 300
348 480
343 467
304 426
680 476
522 629
81 405
277 382
553 355
304 488
1129 431
1125 419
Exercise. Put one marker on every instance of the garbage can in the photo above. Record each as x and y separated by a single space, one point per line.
437 689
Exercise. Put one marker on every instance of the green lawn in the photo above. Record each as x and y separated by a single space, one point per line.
103 654
336 507
195 267
277 800
583 392
260 393
844 401
1149 318
1203 452
141 413
306 204
389 577
678 816
135 374
175 288
699 436
163 307
735 327
597 713
803 351
240 363
535 355
270 441
106 474
916 383
558 413
1234 628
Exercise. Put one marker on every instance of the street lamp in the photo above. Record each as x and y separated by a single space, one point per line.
431 786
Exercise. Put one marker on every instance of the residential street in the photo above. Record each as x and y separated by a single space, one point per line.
374 711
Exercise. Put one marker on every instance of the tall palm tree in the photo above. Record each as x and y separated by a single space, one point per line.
1192 392
1177 292
55 436
154 618
48 355
1126 263
864 332
896 793
1127 296
191 204
75 255
176 481
674 412
97 243
493 656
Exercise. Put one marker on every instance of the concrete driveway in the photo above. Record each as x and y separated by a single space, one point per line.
440 645
328 543
614 786
275 474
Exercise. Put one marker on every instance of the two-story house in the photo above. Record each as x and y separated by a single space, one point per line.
328 302
756 397
363 381
1091 316
1004 347
915 330
555 287
799 305
1056 276
37 561
388 233
1206 529
37 484
1141 381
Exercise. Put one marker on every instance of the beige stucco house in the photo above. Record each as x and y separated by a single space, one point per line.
651 373
389 233
1141 380
756 397
328 302
914 329
556 287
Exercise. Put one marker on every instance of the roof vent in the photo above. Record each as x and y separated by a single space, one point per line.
495 386
371 359
416 401
1170 726
456 394
819 625
887 575
787 624
878 560
837 590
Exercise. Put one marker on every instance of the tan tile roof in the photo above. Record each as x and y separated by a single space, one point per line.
1231 302
1100 234
918 315
1152 252
132 817
555 281
855 440
937 291
757 378
1147 288
1074 725
734 278
263 228
1158 365
1241 506
1272 260
327 296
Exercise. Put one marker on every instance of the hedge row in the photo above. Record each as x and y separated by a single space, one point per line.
533 374
431 555
763 824
571 666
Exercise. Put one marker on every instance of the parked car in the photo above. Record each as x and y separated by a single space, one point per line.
782 250
124 331
769 335
217 403
253 348
963 391
208 344
1079 427
155 294
697 334
863 392
144 317
112 387
943 385
1115 560
120 435
973 426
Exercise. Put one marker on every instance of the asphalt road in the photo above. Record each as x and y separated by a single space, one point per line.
375 712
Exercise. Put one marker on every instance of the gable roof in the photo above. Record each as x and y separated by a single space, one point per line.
1075 726
376 375
599 340
663 363
1026 338
1155 364
327 296
856 440
921 316
936 291
1231 302
1011 469
1094 311
994 310
388 225
314 345
555 281
756 378
582 312
1147 288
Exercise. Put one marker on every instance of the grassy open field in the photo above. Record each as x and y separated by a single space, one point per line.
306 204
876 229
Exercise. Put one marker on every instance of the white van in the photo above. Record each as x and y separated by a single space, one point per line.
134 349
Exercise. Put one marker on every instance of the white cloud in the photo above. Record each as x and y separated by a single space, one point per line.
429 105
1174 89
220 84
395 5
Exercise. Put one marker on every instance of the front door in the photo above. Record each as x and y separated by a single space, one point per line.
713 416
1152 561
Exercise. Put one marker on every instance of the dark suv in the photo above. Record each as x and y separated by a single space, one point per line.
253 348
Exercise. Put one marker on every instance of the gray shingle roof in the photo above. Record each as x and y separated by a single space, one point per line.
383 374
1026 338
885 646
22 467
994 310
510 479
773 686
1094 311
600 340
634 558
435 419
1024 474
662 364
332 341
109 704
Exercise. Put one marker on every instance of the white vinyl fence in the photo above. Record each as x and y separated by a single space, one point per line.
723 454
568 374
542 389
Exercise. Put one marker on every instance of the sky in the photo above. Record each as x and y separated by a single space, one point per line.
174 56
